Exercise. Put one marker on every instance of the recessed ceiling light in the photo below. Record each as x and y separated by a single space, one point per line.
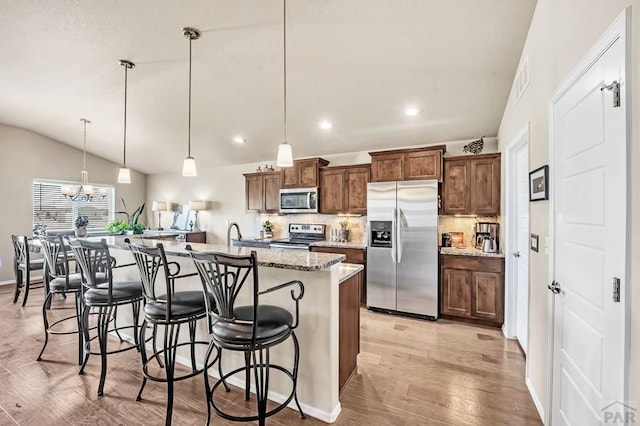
239 139
325 125
411 111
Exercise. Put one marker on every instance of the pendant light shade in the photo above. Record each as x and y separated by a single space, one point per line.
124 174
285 154
189 165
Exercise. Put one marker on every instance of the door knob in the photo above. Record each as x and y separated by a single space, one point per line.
554 287
516 254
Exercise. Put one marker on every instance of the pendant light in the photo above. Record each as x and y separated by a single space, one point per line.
285 155
189 165
85 191
124 174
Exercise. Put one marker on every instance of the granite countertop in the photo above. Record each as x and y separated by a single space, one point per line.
336 244
347 270
468 251
298 260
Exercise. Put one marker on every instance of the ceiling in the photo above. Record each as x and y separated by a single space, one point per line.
357 63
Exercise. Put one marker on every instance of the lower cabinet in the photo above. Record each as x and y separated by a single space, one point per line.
354 255
349 328
472 287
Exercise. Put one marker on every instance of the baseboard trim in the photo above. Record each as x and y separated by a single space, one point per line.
536 399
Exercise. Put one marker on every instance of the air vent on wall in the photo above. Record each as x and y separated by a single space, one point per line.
522 78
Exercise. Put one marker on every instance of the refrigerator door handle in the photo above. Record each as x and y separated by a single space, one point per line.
399 216
393 235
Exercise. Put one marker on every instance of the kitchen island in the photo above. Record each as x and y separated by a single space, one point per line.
319 330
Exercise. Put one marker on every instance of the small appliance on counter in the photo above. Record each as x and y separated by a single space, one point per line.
486 237
446 239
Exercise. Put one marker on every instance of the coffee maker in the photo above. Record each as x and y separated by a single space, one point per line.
487 231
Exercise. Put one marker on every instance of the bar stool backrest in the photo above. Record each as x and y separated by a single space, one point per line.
224 275
20 250
95 264
55 256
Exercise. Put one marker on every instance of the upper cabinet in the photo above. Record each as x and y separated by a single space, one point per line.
407 164
262 192
472 185
344 189
304 173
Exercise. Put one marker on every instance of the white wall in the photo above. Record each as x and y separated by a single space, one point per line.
26 156
561 33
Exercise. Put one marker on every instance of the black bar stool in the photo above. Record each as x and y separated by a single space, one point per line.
252 329
61 281
170 309
22 266
104 296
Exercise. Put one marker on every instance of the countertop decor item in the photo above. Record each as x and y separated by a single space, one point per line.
81 223
196 206
285 155
124 174
132 224
84 192
267 229
189 165
159 206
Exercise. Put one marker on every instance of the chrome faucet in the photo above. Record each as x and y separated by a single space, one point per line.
232 225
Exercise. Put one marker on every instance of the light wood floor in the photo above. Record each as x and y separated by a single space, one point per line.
410 373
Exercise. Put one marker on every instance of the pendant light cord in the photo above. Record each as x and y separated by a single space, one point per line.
84 147
189 139
284 21
124 154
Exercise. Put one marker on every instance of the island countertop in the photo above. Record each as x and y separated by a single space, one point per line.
298 260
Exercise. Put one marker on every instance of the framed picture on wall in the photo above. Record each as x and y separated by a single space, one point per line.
539 184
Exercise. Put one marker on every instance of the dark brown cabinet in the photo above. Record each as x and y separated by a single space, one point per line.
262 192
472 185
349 328
344 189
407 164
304 173
472 287
354 255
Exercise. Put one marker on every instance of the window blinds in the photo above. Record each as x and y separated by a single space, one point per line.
52 209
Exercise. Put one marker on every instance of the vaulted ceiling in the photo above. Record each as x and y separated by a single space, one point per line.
357 63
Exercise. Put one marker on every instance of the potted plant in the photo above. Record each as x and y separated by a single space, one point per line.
267 229
131 226
81 226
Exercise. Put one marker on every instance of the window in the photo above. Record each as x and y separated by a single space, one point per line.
52 209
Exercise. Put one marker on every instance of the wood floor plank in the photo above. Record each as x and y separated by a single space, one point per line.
410 372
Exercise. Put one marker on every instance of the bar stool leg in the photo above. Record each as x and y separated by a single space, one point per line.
86 310
104 316
19 279
295 373
27 284
78 302
45 320
143 355
247 375
172 332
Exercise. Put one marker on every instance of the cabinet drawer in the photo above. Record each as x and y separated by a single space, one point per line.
473 263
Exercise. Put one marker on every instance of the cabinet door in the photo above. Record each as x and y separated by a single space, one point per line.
456 292
254 193
356 190
387 167
332 191
487 301
272 193
423 165
307 173
289 177
485 186
457 189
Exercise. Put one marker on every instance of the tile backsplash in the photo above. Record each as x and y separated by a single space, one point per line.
461 224
356 224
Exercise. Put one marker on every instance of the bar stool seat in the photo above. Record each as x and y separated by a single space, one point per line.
274 325
60 283
122 291
183 304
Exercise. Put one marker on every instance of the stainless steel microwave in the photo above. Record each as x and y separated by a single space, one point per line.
299 200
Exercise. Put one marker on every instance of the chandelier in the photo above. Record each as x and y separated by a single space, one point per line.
85 191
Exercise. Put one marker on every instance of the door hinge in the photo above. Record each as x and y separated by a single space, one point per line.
615 89
616 289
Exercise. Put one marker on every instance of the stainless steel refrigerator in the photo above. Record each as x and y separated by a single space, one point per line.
402 252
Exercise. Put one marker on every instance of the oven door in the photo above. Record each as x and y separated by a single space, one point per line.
299 200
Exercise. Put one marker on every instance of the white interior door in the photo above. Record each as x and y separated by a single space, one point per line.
522 244
589 219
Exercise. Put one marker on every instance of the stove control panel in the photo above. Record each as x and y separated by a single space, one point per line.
307 229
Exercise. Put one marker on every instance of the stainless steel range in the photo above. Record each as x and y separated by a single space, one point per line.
301 235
